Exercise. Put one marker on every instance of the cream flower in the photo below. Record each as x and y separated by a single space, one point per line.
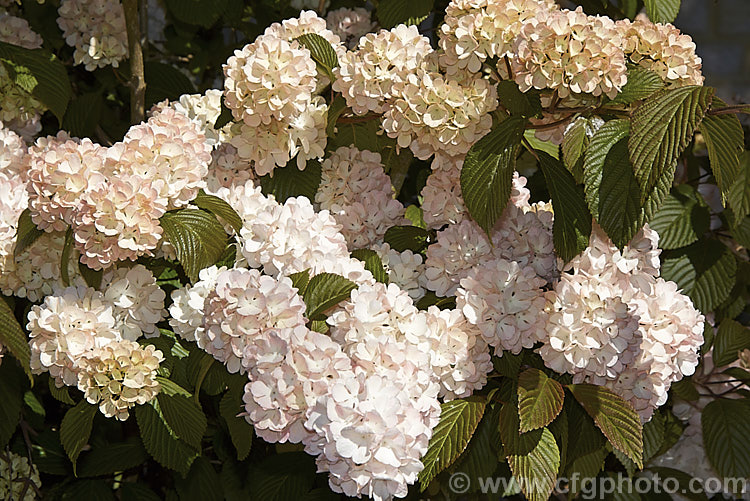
138 301
17 476
188 305
13 151
442 201
350 24
347 174
227 169
403 268
96 29
365 221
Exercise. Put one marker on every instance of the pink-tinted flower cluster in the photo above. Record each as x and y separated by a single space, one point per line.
96 29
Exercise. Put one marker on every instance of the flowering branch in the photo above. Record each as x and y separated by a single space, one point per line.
137 80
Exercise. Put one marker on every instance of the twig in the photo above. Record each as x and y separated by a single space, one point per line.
507 66
726 110
552 125
530 148
321 7
137 80
354 120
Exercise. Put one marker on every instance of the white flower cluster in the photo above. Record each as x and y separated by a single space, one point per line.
18 476
85 338
403 268
96 29
350 24
358 193
614 322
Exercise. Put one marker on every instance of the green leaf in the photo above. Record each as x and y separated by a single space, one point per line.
480 459
321 51
75 429
93 278
391 13
602 142
202 483
731 338
60 394
325 291
540 399
197 12
130 491
686 486
458 421
84 114
524 104
65 257
488 170
26 233
415 215
240 430
725 141
164 81
726 435
283 477
739 192
682 219
534 457
198 237
572 226
170 388
430 299
641 84
401 238
653 436
335 110
705 271
661 129
290 182
33 403
11 396
112 458
14 338
219 208
685 389
614 416
662 11
574 146
373 264
184 417
40 73
161 442
224 117
88 489
300 281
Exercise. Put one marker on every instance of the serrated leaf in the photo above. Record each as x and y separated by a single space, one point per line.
335 110
109 459
614 416
480 459
289 181
739 192
130 491
540 399
705 271
14 338
602 142
219 208
161 442
731 338
662 11
11 396
60 394
33 403
458 420
169 387
300 281
641 84
524 104
373 264
572 226
726 435
661 129
26 233
391 13
164 81
184 417
682 219
84 114
202 483
321 51
282 477
88 489
488 170
413 238
534 457
725 142
197 12
685 389
198 237
687 487
574 146
653 436
40 73
325 291
240 431
75 429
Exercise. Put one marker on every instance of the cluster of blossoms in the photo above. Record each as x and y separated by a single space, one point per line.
350 24
86 337
19 479
96 29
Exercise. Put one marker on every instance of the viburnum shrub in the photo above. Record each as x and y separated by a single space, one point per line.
250 250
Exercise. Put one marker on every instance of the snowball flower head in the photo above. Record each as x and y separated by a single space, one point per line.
17 476
442 201
202 109
350 24
403 268
188 305
227 169
365 221
348 174
96 29
13 161
138 301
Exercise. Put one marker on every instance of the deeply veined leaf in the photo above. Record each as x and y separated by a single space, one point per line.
161 442
662 11
726 435
240 430
321 51
540 399
391 13
641 84
184 417
534 457
300 281
725 142
40 73
373 263
26 233
614 416
11 396
574 146
480 459
705 271
75 429
169 387
197 12
660 131
687 486
572 226
84 114
325 291
14 338
202 483
164 81
731 338
282 477
682 219
60 394
412 238
289 181
118 456
488 170
219 208
739 192
198 237
653 436
458 421
525 104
